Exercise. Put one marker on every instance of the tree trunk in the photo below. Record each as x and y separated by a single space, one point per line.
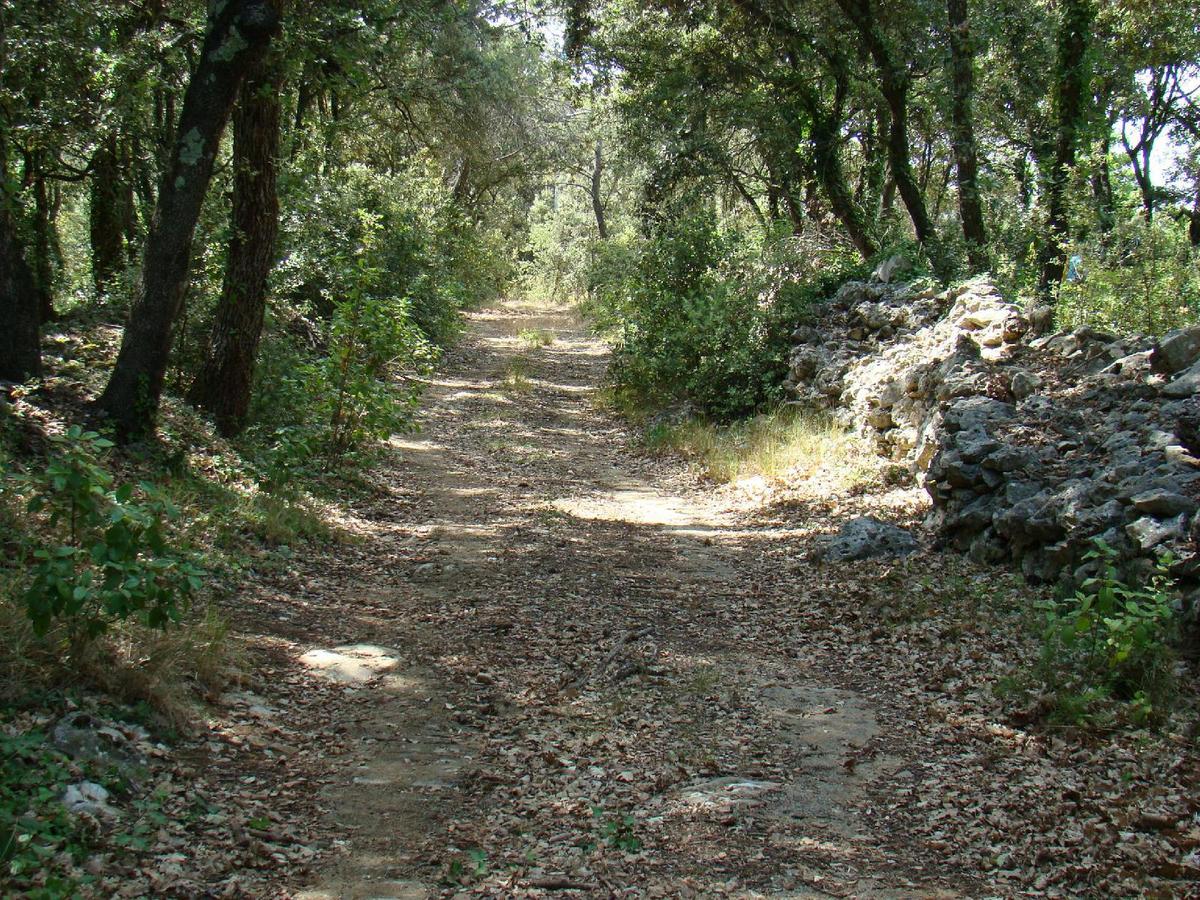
1070 95
223 385
832 176
597 196
20 341
1102 189
894 84
237 35
966 163
106 224
43 249
1194 224
795 207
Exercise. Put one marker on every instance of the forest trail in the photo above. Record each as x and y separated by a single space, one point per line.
558 667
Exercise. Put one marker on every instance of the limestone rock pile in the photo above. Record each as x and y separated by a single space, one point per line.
1029 447
884 358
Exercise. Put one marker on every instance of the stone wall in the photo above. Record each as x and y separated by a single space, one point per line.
1030 447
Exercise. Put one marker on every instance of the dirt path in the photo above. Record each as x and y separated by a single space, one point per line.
547 665
578 686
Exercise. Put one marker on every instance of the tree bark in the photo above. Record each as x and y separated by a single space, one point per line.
832 177
894 83
1070 93
1102 189
597 195
237 35
966 162
20 340
223 384
44 241
825 127
106 223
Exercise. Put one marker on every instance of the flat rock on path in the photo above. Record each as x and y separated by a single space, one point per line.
563 713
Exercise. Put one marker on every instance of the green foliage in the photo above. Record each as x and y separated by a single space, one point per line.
378 270
1140 277
373 343
616 830
1111 641
34 825
107 557
707 315
384 236
463 870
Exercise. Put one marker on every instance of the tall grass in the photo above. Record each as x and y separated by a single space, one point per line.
787 443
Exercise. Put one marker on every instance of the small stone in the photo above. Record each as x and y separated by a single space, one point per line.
1186 384
90 798
880 418
1024 383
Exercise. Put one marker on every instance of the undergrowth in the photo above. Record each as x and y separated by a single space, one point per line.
785 442
1107 652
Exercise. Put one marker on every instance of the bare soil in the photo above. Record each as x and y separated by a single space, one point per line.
555 666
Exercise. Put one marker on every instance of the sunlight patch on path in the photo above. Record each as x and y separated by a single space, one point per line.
637 506
351 663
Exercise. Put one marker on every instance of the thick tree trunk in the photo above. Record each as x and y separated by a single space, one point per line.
223 385
596 193
237 35
966 162
1070 95
106 222
20 340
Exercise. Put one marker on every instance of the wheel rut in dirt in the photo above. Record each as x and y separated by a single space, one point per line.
574 702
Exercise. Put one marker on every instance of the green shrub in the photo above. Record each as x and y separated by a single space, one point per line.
706 315
106 556
376 272
1111 641
414 237
1140 277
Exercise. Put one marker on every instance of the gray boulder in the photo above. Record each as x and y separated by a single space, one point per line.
1024 383
866 538
1176 351
890 268
1162 503
1185 384
1148 532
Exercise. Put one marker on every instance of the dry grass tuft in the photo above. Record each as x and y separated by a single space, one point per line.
787 443
164 671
